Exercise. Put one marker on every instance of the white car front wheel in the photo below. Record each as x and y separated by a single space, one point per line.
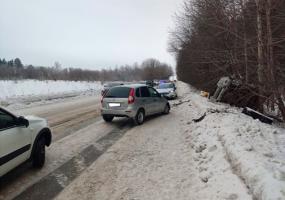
38 158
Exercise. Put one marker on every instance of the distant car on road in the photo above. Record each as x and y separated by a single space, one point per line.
22 139
163 81
148 83
168 90
109 85
133 101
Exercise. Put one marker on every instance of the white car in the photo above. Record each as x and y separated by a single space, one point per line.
22 139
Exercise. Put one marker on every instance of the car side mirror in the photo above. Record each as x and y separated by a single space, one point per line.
21 121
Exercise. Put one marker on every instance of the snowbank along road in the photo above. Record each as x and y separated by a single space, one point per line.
226 155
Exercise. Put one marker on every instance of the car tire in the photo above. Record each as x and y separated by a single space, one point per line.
139 118
38 158
166 109
108 118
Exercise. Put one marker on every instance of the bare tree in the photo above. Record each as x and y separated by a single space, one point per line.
244 39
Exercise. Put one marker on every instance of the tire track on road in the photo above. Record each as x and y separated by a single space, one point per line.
67 117
68 125
52 184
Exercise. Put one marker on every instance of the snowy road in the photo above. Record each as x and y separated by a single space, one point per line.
67 116
68 119
227 155
157 161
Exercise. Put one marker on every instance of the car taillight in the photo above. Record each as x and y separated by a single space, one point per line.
131 98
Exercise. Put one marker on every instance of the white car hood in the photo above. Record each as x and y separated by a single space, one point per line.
34 119
165 90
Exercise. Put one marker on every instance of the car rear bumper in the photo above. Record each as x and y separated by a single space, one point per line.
118 113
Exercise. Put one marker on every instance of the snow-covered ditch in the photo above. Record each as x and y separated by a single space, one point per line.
29 91
255 151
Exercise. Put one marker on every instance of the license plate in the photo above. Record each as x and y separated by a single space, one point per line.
114 104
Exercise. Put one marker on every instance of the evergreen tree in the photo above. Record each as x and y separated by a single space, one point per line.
18 63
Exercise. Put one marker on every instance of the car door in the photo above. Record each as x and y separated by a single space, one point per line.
156 100
15 142
146 100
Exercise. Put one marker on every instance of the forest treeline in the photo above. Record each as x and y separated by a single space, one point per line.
242 39
148 70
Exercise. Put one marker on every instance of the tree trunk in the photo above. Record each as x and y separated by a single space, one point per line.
260 54
236 72
270 61
242 3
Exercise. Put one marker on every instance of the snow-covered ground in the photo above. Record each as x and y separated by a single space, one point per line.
22 93
22 88
255 151
226 155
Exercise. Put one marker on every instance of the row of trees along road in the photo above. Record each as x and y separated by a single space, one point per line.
148 70
240 38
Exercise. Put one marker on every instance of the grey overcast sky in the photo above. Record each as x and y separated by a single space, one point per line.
86 33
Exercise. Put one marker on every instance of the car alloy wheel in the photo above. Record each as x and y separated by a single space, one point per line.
139 119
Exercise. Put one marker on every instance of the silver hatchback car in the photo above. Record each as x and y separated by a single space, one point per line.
134 101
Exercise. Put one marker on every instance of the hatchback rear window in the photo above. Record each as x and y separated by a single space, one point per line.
118 92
